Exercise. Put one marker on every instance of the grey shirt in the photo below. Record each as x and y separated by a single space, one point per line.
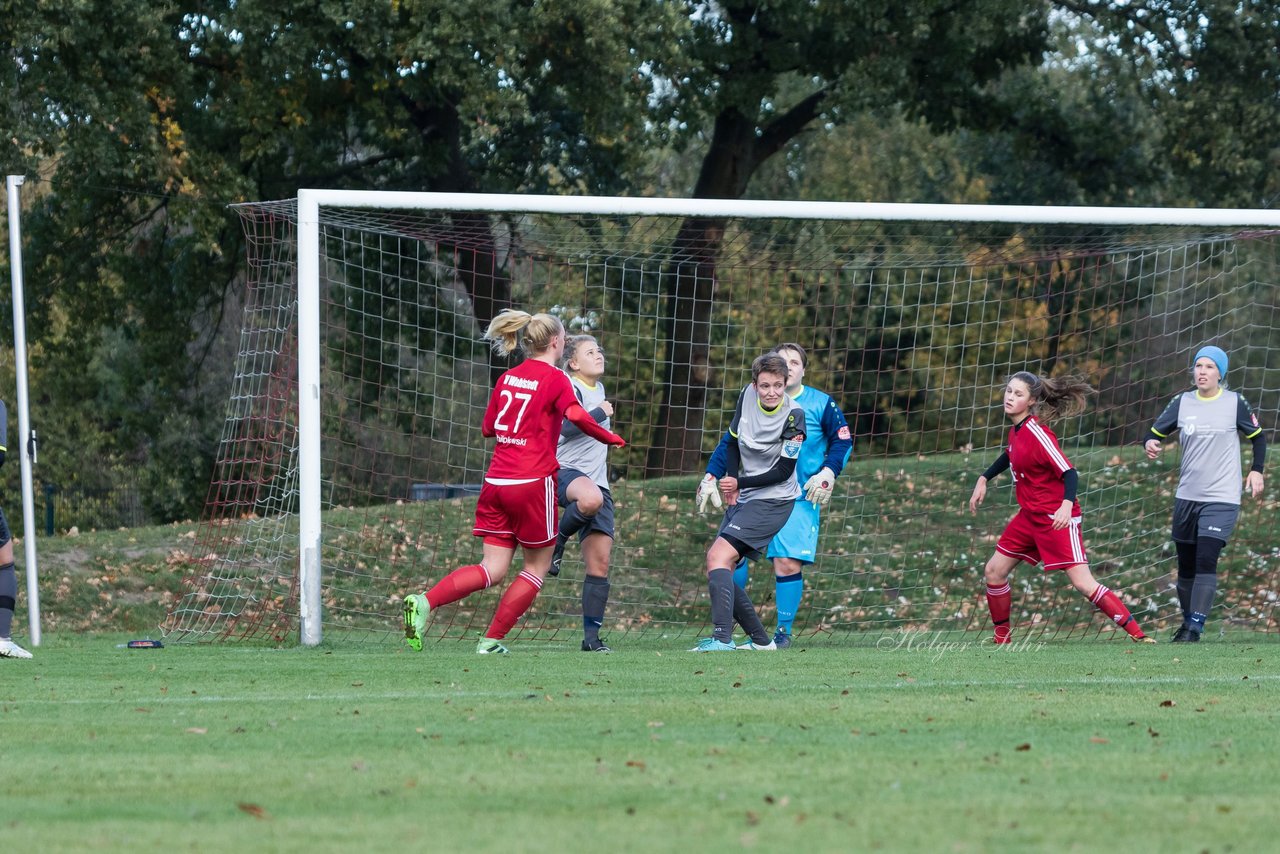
763 437
1211 469
577 450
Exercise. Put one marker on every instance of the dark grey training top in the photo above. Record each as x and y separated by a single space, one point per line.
763 437
1210 447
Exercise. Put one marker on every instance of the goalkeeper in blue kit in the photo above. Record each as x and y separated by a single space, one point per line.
827 446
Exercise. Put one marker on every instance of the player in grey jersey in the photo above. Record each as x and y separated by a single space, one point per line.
759 487
582 486
1207 502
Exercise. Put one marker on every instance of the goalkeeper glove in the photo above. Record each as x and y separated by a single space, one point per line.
708 489
818 488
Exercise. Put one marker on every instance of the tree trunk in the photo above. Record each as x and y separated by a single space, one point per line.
738 147
690 286
475 253
676 446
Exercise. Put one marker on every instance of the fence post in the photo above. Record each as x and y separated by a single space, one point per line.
49 491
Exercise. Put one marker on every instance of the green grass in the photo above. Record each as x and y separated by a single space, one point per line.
864 740
115 580
919 742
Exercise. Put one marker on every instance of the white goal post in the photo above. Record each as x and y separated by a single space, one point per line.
24 440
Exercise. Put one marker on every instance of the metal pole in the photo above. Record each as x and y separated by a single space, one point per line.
26 436
310 615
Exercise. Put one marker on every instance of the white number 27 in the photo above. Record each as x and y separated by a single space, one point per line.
507 399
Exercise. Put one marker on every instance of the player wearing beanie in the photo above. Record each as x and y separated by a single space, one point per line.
1207 502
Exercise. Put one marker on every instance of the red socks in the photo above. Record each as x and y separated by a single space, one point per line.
999 600
1108 603
458 584
466 580
514 603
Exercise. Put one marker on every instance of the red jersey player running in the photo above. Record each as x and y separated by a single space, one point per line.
518 499
1047 525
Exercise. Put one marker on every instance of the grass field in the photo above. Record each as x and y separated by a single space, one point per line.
911 742
876 739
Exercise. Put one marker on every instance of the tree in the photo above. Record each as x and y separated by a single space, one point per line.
832 62
143 121
1093 101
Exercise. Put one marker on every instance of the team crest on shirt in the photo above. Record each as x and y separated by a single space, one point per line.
791 448
843 432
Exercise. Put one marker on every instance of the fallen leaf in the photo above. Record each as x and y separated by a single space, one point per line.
253 810
1097 739
1166 704
197 730
1024 746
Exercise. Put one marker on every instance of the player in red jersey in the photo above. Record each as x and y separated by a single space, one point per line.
1046 527
517 503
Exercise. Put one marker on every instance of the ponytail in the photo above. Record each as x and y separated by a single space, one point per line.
513 330
1056 397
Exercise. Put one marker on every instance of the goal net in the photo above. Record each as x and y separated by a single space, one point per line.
913 318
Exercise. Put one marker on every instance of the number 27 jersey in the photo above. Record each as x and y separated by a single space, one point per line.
524 416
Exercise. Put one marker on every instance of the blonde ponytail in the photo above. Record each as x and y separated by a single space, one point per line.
513 330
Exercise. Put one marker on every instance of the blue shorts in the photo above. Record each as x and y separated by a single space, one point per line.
798 539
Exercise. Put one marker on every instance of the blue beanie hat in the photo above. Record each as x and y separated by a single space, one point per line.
1219 357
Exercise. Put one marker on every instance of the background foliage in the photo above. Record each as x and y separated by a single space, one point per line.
136 123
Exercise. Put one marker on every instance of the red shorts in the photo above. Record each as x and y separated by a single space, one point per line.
523 513
1031 537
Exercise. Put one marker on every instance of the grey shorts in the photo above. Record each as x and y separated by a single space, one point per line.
751 525
603 521
1195 519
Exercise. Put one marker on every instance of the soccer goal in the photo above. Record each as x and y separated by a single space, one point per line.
352 453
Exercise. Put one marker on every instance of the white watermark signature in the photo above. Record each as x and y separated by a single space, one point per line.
939 644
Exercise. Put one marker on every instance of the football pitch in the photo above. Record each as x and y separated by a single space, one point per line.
896 742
